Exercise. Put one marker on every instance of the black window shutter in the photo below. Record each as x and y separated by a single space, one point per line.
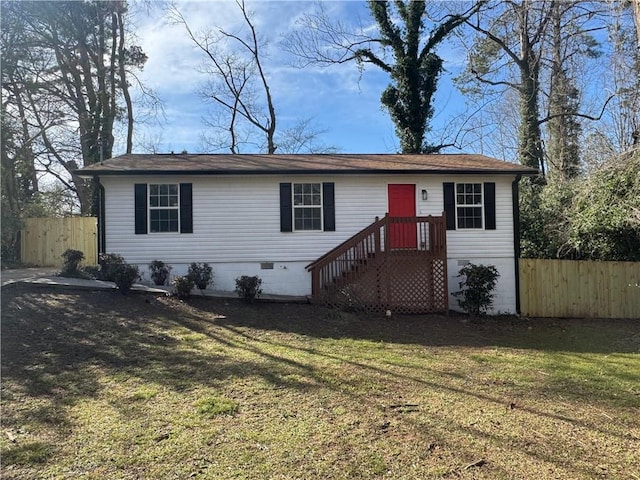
140 208
186 208
490 206
450 204
286 209
329 206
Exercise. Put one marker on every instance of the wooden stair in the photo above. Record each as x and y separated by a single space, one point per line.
377 269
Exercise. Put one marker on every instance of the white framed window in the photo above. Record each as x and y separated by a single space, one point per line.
469 205
307 206
164 207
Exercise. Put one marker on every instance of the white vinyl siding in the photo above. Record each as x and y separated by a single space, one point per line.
480 243
230 225
236 226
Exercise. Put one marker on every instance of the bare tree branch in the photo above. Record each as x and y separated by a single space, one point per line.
236 74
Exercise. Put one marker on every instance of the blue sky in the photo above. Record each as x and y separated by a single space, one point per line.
339 99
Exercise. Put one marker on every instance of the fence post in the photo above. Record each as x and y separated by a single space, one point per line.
315 284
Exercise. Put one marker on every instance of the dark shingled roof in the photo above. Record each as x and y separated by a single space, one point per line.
228 164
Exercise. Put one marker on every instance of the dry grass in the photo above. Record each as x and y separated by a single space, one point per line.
96 385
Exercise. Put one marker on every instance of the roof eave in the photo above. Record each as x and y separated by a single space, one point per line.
457 171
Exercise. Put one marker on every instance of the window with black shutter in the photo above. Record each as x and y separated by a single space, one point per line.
470 205
307 206
163 207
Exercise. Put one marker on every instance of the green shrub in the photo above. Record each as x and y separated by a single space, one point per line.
545 217
248 288
182 286
10 236
159 272
108 262
476 289
201 274
72 259
605 222
592 217
91 271
124 276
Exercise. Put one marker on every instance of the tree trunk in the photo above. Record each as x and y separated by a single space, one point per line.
124 86
530 143
636 17
26 149
563 127
87 194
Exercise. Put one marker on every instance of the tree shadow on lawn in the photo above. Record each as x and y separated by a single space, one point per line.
59 345
434 330
571 348
55 342
570 385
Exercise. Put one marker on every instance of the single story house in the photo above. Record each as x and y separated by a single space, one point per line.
281 216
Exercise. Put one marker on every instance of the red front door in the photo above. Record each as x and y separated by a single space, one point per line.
402 203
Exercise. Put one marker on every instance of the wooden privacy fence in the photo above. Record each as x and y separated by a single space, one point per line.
43 240
577 288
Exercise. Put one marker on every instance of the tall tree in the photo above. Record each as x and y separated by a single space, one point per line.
75 95
511 35
414 66
17 136
619 129
12 188
515 48
563 128
622 124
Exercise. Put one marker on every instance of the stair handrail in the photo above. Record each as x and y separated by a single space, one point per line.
348 262
347 244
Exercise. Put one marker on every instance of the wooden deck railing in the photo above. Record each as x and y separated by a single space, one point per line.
423 236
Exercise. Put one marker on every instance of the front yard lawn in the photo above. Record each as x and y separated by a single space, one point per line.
96 385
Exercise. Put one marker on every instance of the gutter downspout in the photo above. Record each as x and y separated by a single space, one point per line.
515 199
101 217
